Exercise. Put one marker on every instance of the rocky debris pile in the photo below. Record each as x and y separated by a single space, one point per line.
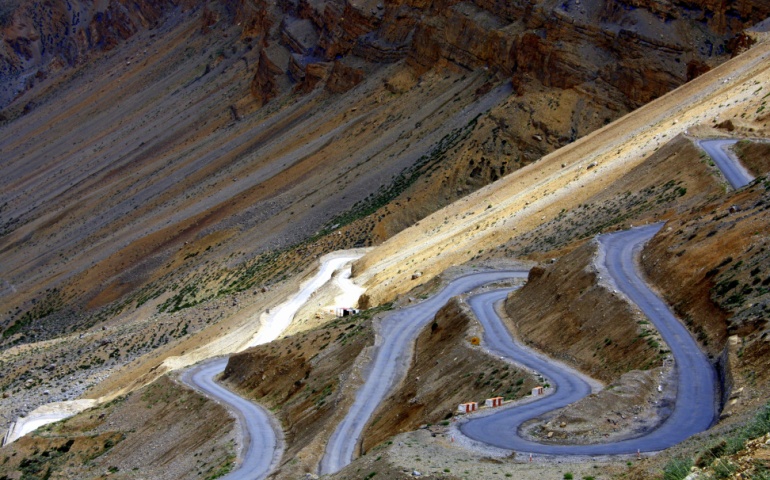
751 462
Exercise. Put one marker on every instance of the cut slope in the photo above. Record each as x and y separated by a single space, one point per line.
536 193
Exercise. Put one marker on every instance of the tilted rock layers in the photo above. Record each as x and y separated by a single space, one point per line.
40 38
630 51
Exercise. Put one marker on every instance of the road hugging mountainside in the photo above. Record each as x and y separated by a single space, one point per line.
262 435
733 171
695 408
398 332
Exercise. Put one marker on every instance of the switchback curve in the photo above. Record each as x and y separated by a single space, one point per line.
695 407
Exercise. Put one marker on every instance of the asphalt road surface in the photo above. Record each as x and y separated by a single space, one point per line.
734 172
695 407
398 331
694 411
262 447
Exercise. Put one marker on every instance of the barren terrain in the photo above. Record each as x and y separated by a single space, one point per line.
171 172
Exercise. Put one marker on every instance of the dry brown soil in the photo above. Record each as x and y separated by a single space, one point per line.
162 431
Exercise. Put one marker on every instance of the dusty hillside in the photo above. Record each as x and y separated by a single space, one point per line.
158 177
184 167
227 60
171 172
556 313
163 431
755 155
563 180
675 178
711 265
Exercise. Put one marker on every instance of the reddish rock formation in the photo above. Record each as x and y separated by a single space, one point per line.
46 37
312 75
254 19
696 68
264 86
342 78
629 51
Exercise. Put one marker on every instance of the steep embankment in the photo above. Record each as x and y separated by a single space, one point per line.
712 266
556 310
563 180
755 156
556 313
304 378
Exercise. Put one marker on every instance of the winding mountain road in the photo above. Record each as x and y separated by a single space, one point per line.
694 410
398 332
695 407
262 436
735 173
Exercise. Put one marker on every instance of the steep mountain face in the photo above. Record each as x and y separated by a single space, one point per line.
157 156
633 51
41 39
629 52
169 170
573 68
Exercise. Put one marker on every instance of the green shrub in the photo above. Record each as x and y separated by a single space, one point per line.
677 468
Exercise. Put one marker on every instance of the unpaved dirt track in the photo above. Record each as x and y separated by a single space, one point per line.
398 332
694 410
263 446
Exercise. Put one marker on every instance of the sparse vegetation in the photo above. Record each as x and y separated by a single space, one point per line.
423 166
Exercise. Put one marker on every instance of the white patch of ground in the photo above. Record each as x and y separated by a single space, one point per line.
267 328
45 414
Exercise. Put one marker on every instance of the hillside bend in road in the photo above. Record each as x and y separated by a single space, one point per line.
694 410
396 335
263 438
735 173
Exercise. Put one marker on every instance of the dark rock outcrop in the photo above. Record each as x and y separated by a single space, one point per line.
264 85
629 52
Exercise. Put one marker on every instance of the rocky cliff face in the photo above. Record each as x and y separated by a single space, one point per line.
631 51
43 38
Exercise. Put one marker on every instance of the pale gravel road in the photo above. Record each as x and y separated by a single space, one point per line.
398 331
695 407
